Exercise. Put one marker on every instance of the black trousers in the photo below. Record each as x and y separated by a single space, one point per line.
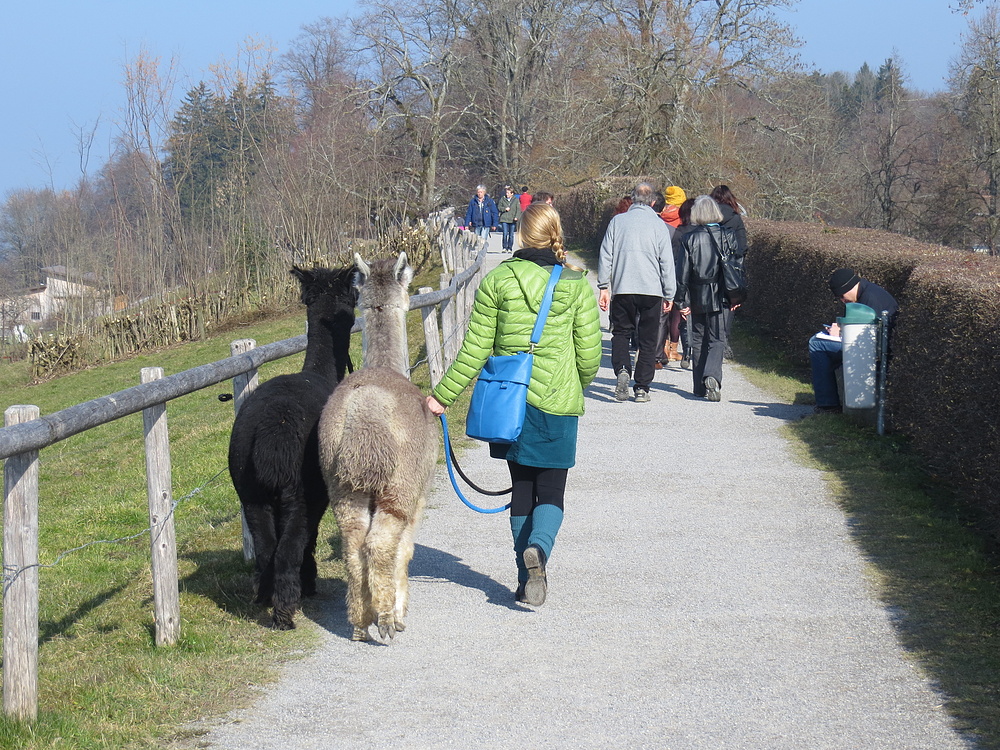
624 311
533 486
708 345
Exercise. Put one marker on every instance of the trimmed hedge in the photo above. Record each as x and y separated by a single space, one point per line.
945 372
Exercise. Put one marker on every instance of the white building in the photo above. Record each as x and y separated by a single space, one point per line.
62 290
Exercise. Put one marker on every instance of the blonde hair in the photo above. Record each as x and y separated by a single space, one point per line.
539 227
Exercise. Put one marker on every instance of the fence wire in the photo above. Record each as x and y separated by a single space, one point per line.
11 572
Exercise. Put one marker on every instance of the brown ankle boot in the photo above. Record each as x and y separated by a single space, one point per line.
672 354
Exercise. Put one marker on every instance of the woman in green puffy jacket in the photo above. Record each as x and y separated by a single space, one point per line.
566 361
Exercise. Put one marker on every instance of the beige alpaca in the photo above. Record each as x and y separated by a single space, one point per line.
378 450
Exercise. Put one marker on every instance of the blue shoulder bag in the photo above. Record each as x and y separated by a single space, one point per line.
496 413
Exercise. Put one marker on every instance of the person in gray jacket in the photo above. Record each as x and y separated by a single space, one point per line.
636 279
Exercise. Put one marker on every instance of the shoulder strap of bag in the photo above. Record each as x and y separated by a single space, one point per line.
543 311
715 244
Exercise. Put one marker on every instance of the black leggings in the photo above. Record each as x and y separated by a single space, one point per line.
535 486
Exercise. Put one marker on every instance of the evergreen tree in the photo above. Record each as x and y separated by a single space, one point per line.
197 153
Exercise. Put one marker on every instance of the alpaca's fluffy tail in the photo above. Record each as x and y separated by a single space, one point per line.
376 432
372 439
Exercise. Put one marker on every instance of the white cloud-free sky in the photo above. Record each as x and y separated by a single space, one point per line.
62 60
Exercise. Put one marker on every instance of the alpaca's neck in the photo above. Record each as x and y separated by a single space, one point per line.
385 339
328 345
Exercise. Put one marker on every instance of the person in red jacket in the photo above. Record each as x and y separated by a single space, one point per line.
524 197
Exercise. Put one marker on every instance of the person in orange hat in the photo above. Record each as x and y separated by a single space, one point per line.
674 197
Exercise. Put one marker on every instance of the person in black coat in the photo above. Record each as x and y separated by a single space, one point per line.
732 215
703 296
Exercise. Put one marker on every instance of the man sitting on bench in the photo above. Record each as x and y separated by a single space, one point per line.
826 351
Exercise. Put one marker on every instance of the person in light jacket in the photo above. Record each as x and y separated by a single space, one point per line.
636 279
566 360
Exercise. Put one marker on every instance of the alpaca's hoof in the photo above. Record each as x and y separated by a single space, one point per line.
282 620
400 626
388 626
360 634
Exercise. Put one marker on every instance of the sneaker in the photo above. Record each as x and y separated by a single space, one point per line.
641 396
713 389
537 586
686 363
621 390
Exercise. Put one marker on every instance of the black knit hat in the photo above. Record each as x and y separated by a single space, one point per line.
843 281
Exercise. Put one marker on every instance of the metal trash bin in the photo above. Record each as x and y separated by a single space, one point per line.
859 333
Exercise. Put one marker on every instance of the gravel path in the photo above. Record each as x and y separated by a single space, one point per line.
704 593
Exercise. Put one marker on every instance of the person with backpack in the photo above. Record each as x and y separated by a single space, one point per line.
701 292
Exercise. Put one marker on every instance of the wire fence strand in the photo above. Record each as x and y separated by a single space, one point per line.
11 573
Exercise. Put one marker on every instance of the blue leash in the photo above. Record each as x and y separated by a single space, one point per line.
451 473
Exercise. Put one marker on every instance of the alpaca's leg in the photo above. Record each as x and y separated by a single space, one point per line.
404 554
292 541
315 507
382 547
260 522
354 519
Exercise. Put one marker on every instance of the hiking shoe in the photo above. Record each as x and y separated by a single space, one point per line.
519 594
621 390
713 389
537 586
641 396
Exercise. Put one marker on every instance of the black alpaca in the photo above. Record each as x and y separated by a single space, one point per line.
274 451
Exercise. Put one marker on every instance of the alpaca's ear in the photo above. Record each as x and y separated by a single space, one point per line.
307 280
363 269
403 272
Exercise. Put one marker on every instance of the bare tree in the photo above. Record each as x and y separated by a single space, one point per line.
512 46
975 84
661 55
316 68
412 66
889 141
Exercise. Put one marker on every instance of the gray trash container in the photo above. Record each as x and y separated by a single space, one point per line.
859 333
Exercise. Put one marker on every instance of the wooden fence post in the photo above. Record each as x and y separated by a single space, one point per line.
243 386
432 340
162 538
20 577
449 323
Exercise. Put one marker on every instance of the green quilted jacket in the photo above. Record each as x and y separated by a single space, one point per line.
503 314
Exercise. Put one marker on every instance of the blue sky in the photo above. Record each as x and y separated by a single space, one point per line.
62 59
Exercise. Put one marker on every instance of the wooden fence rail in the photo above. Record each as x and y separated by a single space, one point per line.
25 433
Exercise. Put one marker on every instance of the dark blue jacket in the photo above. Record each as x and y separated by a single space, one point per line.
487 216
878 299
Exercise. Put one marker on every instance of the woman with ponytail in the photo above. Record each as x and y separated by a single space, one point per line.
565 362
